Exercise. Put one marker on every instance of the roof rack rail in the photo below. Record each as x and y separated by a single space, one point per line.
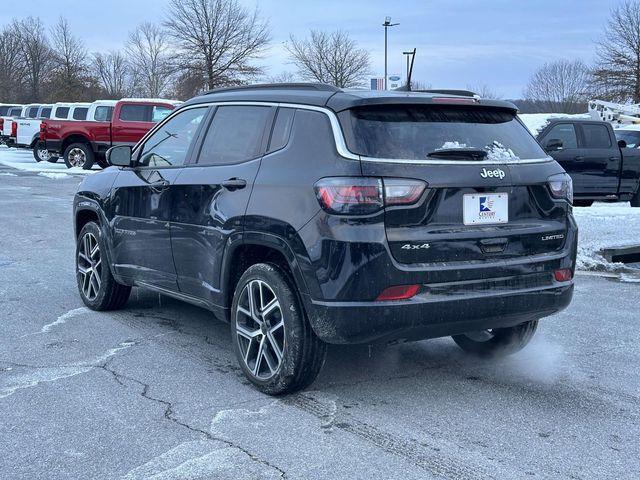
462 93
320 87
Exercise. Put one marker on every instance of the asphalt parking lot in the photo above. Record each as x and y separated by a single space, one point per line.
154 391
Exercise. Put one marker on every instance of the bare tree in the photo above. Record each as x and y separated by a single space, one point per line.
617 73
69 69
36 54
282 77
11 65
219 40
485 91
331 58
560 86
113 74
149 59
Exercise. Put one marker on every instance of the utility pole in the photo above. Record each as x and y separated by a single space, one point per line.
410 56
387 23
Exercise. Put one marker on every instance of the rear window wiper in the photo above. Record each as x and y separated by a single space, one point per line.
459 153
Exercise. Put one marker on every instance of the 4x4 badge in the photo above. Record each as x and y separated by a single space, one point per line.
409 246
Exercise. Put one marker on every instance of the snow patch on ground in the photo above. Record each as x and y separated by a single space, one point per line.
6 174
536 122
605 225
53 175
63 318
23 160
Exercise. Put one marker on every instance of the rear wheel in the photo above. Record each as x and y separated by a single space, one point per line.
98 289
79 155
497 342
273 341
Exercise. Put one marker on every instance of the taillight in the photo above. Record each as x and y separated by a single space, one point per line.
561 186
14 129
43 131
398 292
366 195
1 123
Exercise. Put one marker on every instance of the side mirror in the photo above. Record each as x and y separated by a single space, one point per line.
554 144
119 156
622 144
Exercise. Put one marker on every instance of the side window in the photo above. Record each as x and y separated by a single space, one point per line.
103 114
234 135
32 112
15 111
80 113
45 113
160 113
564 132
281 129
135 113
170 143
62 112
596 136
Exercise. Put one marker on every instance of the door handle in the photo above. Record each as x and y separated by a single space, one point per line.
579 158
234 184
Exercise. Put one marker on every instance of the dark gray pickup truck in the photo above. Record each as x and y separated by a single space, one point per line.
602 168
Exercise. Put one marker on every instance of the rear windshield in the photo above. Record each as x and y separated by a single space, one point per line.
413 132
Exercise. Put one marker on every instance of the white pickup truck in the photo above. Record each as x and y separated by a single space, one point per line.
7 113
9 126
27 131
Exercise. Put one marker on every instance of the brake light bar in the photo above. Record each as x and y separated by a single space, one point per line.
14 129
398 292
456 100
43 131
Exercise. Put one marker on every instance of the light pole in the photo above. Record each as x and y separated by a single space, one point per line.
387 23
410 56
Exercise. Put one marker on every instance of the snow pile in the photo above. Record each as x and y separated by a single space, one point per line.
605 225
536 122
450 145
23 160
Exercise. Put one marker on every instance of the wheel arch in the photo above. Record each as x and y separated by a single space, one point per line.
74 138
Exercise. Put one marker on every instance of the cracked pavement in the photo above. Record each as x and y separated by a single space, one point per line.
154 391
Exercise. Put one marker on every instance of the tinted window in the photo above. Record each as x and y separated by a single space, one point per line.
413 132
170 144
103 114
135 113
632 138
15 111
45 113
3 111
564 132
235 135
32 112
596 136
62 112
80 113
281 129
160 113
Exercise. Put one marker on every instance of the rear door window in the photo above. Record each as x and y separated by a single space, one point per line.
235 135
412 132
596 136
281 129
80 113
564 132
135 113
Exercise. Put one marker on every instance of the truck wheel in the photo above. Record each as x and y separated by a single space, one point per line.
635 200
41 154
498 341
79 155
98 289
274 343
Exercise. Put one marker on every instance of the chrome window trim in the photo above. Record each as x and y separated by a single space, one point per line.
338 136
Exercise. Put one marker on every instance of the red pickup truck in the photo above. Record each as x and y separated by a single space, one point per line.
83 143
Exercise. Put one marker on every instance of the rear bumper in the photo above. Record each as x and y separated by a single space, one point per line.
443 311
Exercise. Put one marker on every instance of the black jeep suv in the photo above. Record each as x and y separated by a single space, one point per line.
305 215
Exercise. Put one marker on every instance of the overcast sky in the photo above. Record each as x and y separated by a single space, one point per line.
460 42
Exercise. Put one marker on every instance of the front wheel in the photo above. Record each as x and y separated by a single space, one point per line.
98 289
272 338
79 155
497 342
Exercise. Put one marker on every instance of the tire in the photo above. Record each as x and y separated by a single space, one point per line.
98 289
42 154
284 328
635 200
79 155
582 203
497 342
